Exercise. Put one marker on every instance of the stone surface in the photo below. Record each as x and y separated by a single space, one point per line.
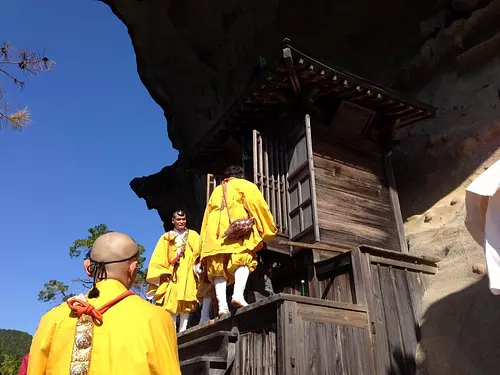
435 164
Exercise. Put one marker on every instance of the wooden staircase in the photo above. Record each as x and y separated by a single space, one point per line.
212 354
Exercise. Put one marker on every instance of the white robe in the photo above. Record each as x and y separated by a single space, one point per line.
483 219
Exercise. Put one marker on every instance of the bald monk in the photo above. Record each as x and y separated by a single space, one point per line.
171 275
229 260
109 331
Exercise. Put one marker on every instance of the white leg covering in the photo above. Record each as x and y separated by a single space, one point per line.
220 291
174 318
205 309
240 282
183 322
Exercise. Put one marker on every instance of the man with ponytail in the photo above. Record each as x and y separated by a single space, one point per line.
109 331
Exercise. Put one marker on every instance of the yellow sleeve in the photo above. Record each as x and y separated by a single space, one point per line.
158 265
259 209
40 346
163 356
194 243
203 231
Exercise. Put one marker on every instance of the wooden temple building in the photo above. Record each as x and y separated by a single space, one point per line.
317 141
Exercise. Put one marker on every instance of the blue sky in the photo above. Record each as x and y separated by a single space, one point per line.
94 128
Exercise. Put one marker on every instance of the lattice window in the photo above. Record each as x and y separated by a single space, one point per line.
211 184
270 171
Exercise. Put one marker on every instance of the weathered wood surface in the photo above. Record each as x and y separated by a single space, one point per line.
302 336
308 329
396 209
393 298
353 197
378 251
256 354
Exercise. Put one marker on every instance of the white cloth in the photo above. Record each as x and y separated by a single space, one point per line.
483 219
205 309
183 321
180 242
220 292
240 282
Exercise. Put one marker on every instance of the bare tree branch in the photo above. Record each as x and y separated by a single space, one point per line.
25 62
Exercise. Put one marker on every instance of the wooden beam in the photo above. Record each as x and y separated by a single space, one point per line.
396 209
314 246
403 265
405 257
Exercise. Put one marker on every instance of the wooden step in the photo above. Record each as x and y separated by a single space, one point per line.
216 344
204 365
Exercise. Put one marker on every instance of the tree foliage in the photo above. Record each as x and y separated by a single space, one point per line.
14 345
14 64
57 291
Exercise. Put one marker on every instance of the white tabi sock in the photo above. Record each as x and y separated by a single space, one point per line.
183 324
240 282
205 309
220 292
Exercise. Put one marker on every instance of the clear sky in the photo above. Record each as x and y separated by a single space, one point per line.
94 129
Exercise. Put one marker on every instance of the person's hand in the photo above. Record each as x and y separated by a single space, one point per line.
198 270
164 279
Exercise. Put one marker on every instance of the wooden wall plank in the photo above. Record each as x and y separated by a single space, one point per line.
368 185
320 314
354 198
392 323
339 153
346 239
382 356
405 313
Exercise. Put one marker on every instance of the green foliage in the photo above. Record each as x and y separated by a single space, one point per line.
54 290
85 244
9 364
57 291
14 345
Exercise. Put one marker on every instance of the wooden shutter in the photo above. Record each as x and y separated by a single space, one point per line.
211 184
269 174
303 216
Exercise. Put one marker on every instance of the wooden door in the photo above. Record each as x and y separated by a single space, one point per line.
302 206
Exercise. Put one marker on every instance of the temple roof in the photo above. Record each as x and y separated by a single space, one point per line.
297 79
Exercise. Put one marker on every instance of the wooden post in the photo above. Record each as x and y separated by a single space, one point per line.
396 209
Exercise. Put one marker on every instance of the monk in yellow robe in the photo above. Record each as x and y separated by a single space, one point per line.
171 277
116 332
229 261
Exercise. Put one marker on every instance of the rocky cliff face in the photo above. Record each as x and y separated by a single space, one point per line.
196 57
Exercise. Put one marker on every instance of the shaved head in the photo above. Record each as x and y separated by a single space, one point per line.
117 251
113 246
